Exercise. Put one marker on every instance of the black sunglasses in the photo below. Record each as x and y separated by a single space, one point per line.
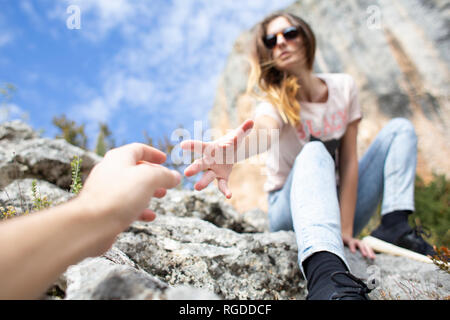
290 33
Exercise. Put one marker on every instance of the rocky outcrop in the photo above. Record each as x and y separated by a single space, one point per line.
23 154
200 247
19 194
398 54
208 205
114 276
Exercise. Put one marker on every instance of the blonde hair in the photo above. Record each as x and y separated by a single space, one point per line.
276 86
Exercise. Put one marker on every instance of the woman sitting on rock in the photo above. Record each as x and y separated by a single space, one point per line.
316 186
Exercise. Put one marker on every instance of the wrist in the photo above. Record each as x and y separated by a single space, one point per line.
348 232
95 211
100 228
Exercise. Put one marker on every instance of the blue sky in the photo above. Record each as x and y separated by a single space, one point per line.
136 65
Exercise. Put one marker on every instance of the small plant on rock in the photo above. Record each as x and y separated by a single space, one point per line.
39 202
76 186
442 258
8 213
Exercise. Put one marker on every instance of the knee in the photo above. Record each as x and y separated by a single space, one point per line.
403 125
314 150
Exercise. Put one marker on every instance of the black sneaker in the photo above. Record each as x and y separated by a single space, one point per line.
413 240
406 242
343 286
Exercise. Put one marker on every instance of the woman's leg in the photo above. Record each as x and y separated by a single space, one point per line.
308 202
280 217
314 204
387 172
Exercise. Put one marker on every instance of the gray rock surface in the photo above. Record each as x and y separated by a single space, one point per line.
232 265
209 205
199 247
19 194
25 155
398 278
114 276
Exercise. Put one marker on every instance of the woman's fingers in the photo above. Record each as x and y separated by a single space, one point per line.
243 130
366 250
223 186
352 246
206 179
362 248
196 167
194 145
370 252
215 153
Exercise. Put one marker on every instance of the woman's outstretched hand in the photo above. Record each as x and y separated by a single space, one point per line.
218 157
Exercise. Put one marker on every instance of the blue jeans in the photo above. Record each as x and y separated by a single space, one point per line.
308 202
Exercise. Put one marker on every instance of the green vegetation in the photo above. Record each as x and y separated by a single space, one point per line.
7 91
432 202
7 109
39 202
105 141
442 259
70 131
433 208
76 185
75 134
8 213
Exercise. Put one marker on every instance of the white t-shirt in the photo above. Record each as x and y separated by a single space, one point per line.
325 121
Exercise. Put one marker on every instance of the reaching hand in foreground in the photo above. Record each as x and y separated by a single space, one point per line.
35 249
218 157
124 182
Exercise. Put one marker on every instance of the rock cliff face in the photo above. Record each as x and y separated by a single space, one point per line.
398 54
199 247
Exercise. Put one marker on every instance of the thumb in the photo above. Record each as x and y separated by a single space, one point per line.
243 130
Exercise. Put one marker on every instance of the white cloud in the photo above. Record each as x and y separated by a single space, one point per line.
11 111
29 9
5 38
171 57
100 17
6 34
119 94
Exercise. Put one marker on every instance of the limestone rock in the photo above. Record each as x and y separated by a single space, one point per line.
19 194
190 251
209 205
114 276
398 278
16 131
24 155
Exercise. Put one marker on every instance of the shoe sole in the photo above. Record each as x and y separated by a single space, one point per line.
386 247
